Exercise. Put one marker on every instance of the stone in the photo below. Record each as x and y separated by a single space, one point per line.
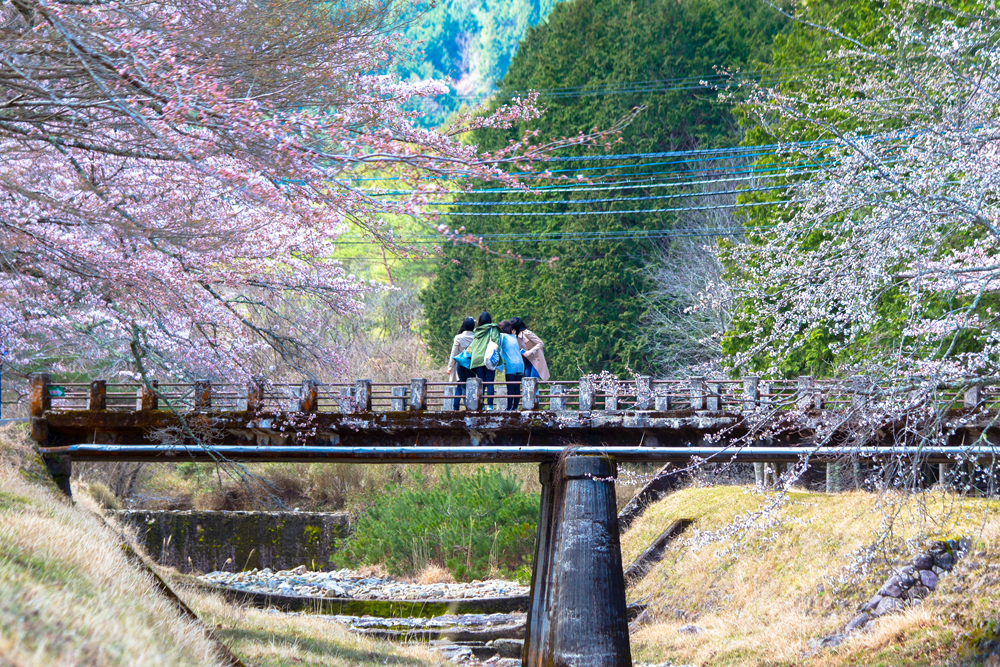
507 648
891 589
831 641
871 604
929 579
945 561
918 592
923 562
690 630
888 606
301 569
857 622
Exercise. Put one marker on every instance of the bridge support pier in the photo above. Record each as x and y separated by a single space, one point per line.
577 615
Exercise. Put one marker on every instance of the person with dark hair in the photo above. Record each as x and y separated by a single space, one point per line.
531 349
513 364
485 353
457 371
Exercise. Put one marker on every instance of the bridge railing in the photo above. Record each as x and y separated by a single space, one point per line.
601 393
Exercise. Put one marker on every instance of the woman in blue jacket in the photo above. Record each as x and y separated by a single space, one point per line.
513 364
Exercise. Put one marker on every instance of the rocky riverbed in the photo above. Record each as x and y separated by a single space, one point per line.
355 585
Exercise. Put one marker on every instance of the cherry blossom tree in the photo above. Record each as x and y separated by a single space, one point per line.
888 254
175 176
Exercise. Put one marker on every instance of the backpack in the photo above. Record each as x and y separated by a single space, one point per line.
492 358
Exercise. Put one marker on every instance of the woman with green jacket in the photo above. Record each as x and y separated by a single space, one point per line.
485 333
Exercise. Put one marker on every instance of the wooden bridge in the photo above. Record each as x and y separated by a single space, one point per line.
578 432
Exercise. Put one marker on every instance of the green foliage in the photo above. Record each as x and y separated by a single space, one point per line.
800 53
475 525
469 43
587 306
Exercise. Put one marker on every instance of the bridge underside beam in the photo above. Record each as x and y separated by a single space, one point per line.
538 453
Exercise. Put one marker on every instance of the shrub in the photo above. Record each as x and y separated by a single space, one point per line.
477 525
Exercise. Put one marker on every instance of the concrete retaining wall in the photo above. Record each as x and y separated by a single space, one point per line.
204 541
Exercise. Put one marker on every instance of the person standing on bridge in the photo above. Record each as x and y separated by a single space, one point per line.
458 369
531 348
484 353
513 364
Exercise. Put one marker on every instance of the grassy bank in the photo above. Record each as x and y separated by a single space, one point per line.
69 596
764 592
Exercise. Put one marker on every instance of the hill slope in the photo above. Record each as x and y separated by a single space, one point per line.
766 592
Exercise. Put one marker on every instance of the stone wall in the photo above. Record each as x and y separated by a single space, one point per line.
204 541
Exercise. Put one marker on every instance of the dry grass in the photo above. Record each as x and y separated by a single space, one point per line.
762 596
434 574
271 639
68 596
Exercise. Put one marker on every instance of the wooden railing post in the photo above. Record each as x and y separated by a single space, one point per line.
255 394
973 396
363 395
697 385
859 390
40 399
474 394
309 397
146 398
662 403
98 399
398 401
751 392
202 394
557 397
587 395
713 402
346 400
418 394
643 392
529 393
805 398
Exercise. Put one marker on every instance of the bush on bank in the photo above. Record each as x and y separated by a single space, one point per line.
476 526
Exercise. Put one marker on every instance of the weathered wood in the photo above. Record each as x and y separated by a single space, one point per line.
653 554
363 395
529 393
345 402
474 394
860 387
98 399
146 398
578 614
697 392
418 394
557 397
804 397
38 394
309 396
398 401
643 392
751 391
587 394
713 400
202 395
255 395
973 396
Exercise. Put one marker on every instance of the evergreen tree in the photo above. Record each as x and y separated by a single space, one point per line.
587 304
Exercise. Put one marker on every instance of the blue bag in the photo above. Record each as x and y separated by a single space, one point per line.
463 359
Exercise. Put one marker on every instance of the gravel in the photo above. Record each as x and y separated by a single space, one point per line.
353 585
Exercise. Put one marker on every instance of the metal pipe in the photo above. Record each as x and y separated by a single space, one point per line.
532 453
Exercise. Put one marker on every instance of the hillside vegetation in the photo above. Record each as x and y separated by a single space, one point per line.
766 592
587 305
69 595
